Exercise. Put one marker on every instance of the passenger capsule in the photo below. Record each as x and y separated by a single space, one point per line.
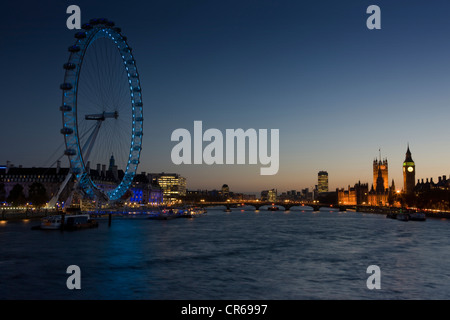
137 148
69 66
74 48
66 130
65 108
70 152
137 89
66 86
87 26
80 35
138 134
138 104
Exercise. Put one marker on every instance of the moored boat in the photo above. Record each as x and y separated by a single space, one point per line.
391 215
403 217
51 223
172 213
79 221
417 216
67 222
162 216
192 212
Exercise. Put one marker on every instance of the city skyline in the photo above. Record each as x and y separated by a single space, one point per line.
320 187
337 91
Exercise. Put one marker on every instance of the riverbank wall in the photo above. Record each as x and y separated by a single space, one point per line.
389 210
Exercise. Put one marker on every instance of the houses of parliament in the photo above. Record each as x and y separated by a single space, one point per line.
380 193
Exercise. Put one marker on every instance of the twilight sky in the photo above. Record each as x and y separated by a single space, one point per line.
336 90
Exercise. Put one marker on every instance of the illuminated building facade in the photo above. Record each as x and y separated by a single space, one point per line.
269 195
272 195
357 195
379 196
172 184
323 181
225 191
144 192
380 165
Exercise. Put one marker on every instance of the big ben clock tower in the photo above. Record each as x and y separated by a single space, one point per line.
409 173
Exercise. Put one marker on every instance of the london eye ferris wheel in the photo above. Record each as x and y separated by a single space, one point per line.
102 110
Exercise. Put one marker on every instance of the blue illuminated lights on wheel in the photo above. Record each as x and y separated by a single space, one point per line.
92 32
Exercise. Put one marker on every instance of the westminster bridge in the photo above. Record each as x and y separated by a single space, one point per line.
286 205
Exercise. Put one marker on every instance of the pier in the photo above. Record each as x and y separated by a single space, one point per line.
25 214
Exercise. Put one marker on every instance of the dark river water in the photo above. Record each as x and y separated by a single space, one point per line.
236 255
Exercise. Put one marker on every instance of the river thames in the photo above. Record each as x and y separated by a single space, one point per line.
235 255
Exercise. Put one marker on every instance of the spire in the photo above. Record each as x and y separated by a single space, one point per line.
408 157
111 162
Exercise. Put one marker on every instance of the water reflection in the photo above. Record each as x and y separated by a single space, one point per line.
231 255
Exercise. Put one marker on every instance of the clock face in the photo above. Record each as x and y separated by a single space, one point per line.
410 169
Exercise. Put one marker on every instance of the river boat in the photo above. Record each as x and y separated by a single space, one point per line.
403 217
417 216
163 216
71 222
51 223
391 215
191 212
